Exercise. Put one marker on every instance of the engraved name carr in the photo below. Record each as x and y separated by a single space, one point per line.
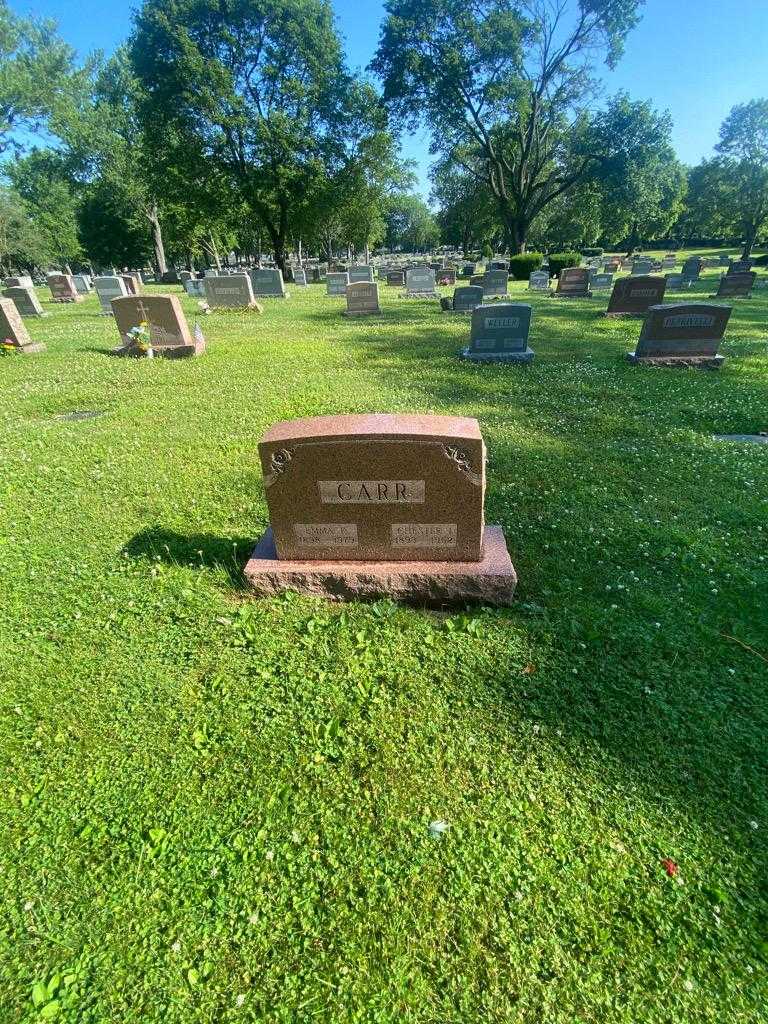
371 492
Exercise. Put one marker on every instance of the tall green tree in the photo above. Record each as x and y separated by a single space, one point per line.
411 225
467 214
36 68
743 166
641 183
502 86
255 90
43 182
22 246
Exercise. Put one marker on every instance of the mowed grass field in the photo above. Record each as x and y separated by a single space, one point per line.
217 809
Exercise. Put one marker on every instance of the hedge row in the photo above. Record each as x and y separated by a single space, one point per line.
522 266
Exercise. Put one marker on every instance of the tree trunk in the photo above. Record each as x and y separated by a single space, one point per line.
749 241
157 239
367 254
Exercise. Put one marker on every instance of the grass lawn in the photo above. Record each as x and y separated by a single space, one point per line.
216 809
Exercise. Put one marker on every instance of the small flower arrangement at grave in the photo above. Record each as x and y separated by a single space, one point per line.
142 339
7 347
204 307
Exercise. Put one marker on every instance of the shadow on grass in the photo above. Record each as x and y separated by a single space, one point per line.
197 550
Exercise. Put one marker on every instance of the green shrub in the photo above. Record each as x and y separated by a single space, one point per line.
487 252
522 266
560 260
593 251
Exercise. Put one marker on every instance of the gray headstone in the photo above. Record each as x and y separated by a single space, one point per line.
420 281
82 283
268 283
499 333
687 331
495 283
538 281
231 292
195 288
300 277
362 298
360 273
26 301
467 298
108 288
602 281
336 283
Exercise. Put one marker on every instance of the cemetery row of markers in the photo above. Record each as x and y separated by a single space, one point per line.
378 505
686 333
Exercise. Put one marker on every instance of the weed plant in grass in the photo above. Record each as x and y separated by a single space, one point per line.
217 809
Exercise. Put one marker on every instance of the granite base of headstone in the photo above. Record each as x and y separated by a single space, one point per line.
372 506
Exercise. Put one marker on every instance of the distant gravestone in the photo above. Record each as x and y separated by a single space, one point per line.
692 268
687 334
13 332
25 300
499 265
360 273
723 260
677 283
185 275
195 288
632 296
602 282
231 292
499 333
612 266
420 282
538 281
669 263
642 267
108 288
464 300
131 287
63 288
336 283
362 299
467 270
740 266
446 278
396 278
168 330
736 285
169 277
573 283
82 284
495 284
268 284
300 277
25 281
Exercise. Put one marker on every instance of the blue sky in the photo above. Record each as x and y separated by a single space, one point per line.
695 58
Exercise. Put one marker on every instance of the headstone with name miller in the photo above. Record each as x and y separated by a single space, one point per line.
269 284
396 278
336 283
499 333
463 300
736 285
108 288
495 284
25 300
538 281
361 273
420 283
63 288
682 334
168 330
13 332
231 292
573 283
632 296
601 282
379 505
362 299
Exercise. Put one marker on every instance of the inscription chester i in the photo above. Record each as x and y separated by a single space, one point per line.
370 492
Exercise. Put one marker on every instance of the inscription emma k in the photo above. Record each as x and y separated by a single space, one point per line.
371 492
